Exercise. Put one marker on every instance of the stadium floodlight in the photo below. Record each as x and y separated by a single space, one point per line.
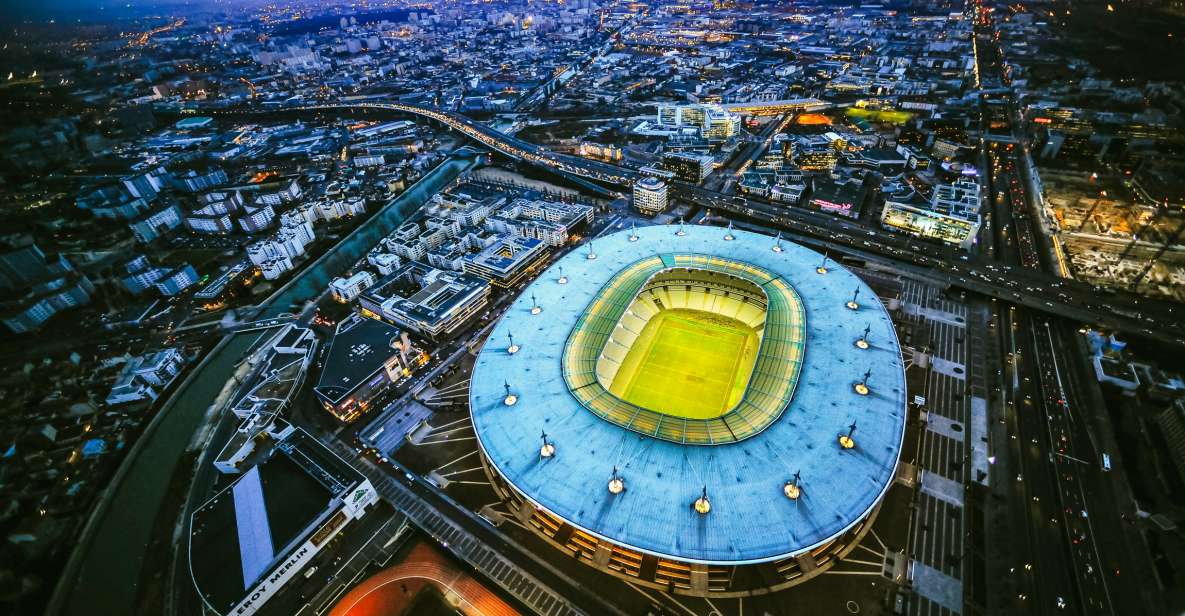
862 387
852 305
792 489
616 482
702 505
845 440
510 398
862 342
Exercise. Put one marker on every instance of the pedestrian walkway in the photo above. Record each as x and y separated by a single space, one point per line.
945 426
949 368
942 488
937 587
495 566
934 314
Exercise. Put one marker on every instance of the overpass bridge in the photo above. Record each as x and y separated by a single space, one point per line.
1051 295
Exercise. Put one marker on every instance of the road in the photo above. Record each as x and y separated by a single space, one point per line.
1032 288
1064 566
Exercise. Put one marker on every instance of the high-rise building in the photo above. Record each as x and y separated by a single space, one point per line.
714 122
650 196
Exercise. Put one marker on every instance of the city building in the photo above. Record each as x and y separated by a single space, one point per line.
553 222
843 198
952 215
146 376
45 299
346 289
424 299
260 532
156 223
687 166
216 289
176 280
1171 422
713 122
365 358
584 376
650 196
139 275
508 261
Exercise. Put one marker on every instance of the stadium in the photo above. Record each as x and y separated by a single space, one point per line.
707 411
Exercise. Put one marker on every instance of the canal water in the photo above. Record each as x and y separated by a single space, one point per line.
110 568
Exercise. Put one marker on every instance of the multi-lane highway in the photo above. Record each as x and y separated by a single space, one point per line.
1062 565
1031 288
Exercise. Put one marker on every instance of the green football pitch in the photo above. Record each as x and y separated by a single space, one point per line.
688 363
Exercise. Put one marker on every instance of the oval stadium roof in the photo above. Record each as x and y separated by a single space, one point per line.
751 520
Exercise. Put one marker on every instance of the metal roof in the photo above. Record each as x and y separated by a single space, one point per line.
751 520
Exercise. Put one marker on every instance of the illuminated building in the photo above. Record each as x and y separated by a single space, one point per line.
425 299
952 215
365 357
650 196
842 198
507 261
346 289
815 157
714 122
688 167
609 480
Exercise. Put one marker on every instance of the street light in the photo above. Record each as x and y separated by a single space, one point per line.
548 448
513 348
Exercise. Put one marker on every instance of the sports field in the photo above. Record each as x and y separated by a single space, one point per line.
688 363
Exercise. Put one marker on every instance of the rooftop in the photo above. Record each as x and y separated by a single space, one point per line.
751 520
244 530
359 348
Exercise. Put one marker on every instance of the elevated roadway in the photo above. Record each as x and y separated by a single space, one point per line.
1037 290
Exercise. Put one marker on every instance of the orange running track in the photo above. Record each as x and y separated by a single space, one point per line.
383 593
